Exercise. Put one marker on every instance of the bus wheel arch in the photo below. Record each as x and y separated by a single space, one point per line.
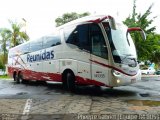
69 79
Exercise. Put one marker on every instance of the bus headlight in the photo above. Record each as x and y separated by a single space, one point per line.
116 73
118 81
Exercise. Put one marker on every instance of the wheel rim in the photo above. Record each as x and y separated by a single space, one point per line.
20 78
15 77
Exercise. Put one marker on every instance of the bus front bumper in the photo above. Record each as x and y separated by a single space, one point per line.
122 79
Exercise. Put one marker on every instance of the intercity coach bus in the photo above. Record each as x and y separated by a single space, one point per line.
94 50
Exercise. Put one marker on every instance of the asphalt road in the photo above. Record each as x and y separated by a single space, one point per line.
36 100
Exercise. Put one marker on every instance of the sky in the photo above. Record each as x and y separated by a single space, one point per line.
40 15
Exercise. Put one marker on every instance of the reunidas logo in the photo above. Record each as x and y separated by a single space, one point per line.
43 55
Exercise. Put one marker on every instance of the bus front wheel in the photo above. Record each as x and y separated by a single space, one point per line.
70 82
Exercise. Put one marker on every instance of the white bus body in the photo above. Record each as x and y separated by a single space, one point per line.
88 51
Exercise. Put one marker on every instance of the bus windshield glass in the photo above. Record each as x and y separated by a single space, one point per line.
121 43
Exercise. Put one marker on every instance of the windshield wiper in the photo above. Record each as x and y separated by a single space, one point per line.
128 57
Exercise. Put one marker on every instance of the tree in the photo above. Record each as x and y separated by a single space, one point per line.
2 64
67 17
3 42
15 35
146 48
155 57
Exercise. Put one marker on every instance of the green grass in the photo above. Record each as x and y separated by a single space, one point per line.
4 77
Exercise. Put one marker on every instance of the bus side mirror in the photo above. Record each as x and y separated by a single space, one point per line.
143 35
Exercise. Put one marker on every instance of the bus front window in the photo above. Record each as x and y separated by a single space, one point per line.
122 46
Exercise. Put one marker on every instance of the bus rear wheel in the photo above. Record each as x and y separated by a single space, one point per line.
15 77
70 79
20 78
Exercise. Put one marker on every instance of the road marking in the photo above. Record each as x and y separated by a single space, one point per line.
26 110
27 106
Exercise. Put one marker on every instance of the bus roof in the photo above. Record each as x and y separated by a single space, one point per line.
95 19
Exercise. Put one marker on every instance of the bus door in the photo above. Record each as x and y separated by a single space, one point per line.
80 39
91 54
99 56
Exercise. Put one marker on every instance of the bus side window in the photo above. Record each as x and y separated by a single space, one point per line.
72 37
83 37
99 47
36 45
51 41
79 37
25 48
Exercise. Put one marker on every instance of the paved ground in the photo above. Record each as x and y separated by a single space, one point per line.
41 101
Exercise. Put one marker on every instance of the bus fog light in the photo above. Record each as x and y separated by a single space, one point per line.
118 81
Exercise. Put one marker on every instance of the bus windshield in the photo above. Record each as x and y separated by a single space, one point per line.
121 43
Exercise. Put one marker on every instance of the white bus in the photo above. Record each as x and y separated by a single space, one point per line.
89 51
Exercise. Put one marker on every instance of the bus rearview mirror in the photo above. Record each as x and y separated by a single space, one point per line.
143 35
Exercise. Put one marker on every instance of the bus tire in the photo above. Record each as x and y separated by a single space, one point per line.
65 84
15 77
70 81
20 78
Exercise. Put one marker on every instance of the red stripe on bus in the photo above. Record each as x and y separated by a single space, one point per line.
33 75
109 66
86 81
